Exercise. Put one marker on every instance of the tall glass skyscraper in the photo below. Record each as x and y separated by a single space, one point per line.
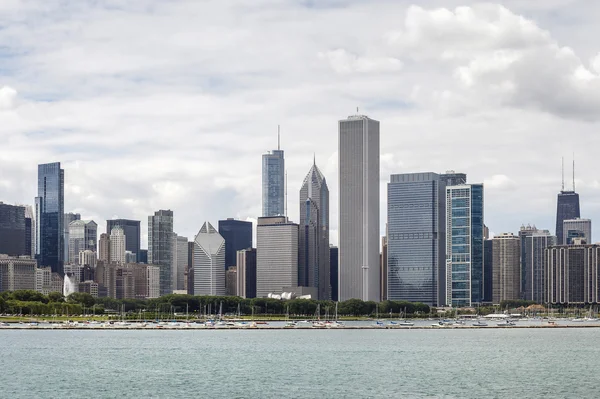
237 235
567 207
464 245
313 267
13 231
132 231
49 209
160 247
416 239
273 182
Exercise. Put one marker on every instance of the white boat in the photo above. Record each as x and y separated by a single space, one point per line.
480 324
335 324
505 323
577 320
405 323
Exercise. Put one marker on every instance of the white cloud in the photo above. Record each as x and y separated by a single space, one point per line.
343 62
7 97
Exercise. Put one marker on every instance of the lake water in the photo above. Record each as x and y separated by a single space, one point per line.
484 363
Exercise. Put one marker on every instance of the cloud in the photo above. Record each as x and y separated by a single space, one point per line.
343 62
7 98
499 182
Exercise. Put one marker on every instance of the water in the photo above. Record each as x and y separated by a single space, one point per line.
492 363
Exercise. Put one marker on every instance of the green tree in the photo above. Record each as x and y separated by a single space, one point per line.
56 297
82 298
29 296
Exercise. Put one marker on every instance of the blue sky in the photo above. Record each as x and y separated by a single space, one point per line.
169 105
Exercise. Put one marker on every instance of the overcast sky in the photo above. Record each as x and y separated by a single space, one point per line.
170 104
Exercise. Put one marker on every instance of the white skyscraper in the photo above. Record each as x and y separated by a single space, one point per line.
209 262
359 208
117 245
83 235
179 261
276 255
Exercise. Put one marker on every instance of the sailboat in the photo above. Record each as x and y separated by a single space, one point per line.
335 323
317 323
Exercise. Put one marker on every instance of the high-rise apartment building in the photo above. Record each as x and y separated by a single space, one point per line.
506 279
237 235
83 235
313 267
118 242
416 238
276 255
567 208
104 248
87 257
524 232
67 219
49 210
180 262
534 264
273 182
577 228
358 208
464 245
209 262
133 235
246 273
13 234
160 246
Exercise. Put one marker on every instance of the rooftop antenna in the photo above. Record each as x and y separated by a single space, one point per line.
356 110
278 137
314 158
573 172
286 193
563 173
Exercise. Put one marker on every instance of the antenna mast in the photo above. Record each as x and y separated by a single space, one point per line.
286 193
573 172
562 159
278 137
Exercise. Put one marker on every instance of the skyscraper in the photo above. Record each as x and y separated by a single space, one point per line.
276 255
506 268
416 238
104 248
533 263
567 208
383 268
132 231
577 228
237 235
83 235
246 273
209 262
273 182
13 235
118 243
488 274
524 232
313 265
29 231
334 272
160 246
49 210
451 178
464 244
67 219
358 208
180 262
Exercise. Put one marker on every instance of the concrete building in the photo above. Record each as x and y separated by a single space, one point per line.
83 235
276 255
246 273
358 208
87 257
133 237
571 274
231 281
179 262
464 245
313 267
17 273
128 281
104 248
273 182
209 262
506 281
237 235
13 235
160 247
89 287
117 245
533 264
130 257
451 178
43 280
334 272
416 238
577 228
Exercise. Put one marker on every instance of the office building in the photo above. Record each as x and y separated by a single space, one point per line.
273 182
118 242
49 210
143 256
190 269
231 281
416 238
488 260
571 273
83 235
13 233
534 264
567 208
276 255
383 269
104 248
180 262
133 236
451 178
87 257
464 245
524 232
313 267
237 235
29 231
160 246
130 257
67 219
334 272
246 273
127 281
17 273
577 228
506 268
358 208
209 262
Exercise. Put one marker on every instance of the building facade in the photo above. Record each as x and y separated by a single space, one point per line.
231 281
577 228
273 183
237 235
209 262
49 210
118 242
567 208
383 271
464 245
87 257
534 264
488 270
160 247
13 234
67 219
104 248
506 271
313 267
133 236
451 178
276 255
17 273
83 235
358 208
246 273
180 262
416 239
334 272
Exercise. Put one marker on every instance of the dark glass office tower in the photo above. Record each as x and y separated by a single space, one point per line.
49 209
333 272
13 230
488 253
237 235
132 234
160 247
567 207
273 182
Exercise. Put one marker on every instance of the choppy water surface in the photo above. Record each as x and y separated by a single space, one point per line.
492 363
